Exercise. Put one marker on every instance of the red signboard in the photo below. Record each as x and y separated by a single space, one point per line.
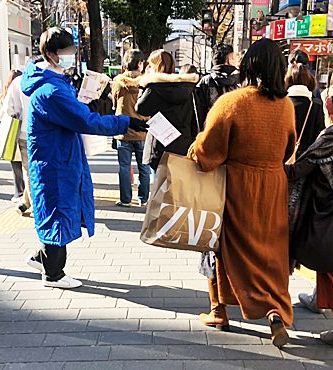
313 47
278 29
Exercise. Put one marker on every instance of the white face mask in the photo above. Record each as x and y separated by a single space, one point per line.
67 61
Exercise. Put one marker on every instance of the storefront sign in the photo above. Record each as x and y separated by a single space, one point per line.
279 29
313 47
291 28
318 25
303 27
286 3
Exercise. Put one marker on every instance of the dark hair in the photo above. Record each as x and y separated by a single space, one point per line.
162 61
188 68
132 58
298 56
264 66
329 79
10 78
299 74
220 53
53 39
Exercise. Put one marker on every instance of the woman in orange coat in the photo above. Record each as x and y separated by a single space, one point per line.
252 131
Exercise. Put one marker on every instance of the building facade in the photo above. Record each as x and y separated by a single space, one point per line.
15 37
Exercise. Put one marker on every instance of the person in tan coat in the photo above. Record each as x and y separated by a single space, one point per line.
252 131
125 90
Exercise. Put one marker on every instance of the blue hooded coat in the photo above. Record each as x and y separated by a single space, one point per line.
61 185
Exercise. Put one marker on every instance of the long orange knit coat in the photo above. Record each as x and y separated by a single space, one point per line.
253 136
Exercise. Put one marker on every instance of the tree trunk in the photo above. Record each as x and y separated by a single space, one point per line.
44 14
97 52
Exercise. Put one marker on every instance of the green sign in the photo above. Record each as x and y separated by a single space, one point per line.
303 27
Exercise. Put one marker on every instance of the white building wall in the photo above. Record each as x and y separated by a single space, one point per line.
4 54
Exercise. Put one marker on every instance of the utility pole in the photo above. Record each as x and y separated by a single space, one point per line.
245 40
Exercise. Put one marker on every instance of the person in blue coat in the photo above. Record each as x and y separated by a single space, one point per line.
61 185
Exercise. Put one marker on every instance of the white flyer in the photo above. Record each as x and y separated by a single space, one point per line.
93 85
162 129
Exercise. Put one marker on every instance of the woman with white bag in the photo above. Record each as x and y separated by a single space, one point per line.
15 164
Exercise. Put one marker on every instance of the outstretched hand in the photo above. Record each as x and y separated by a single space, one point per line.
138 125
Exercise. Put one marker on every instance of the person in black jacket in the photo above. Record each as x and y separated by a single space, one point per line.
300 57
301 84
172 95
223 77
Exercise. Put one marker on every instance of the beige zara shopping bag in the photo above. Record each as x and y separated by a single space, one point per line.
185 210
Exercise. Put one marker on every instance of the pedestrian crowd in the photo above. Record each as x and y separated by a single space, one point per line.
261 117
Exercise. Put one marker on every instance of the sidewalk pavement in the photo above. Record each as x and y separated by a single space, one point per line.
139 304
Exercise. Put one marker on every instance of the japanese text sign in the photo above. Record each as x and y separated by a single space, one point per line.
318 25
303 27
291 28
313 47
279 28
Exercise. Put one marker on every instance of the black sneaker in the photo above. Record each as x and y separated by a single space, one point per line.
21 209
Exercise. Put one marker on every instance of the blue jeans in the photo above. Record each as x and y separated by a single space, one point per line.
125 150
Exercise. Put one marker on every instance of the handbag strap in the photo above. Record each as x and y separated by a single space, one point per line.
305 122
196 113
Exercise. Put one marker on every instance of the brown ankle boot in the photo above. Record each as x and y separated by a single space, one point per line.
280 336
217 316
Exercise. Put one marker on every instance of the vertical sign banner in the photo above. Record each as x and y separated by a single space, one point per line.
268 32
279 29
291 28
257 5
303 27
330 16
318 25
259 10
75 34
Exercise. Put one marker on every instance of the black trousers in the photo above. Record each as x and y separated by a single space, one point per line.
18 178
53 259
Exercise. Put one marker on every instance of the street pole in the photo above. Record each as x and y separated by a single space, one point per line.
245 42
193 44
205 59
79 20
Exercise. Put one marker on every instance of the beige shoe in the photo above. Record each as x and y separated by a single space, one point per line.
217 316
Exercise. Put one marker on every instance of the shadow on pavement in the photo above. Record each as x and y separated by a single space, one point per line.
152 341
120 225
5 196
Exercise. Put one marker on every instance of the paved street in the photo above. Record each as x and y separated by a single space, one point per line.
138 307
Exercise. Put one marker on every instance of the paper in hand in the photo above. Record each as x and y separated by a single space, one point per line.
93 85
162 129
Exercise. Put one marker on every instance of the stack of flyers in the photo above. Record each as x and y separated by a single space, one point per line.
93 85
